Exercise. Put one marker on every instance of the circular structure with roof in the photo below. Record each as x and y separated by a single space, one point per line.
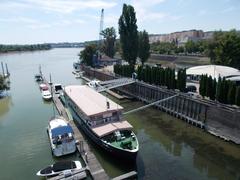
215 71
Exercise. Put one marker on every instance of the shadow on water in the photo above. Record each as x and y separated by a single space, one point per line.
210 156
171 148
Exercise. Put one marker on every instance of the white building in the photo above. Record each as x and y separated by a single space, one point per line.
230 73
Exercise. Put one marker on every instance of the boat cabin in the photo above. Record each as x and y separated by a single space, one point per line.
101 114
58 88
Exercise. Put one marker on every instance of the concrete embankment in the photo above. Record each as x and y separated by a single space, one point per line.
218 119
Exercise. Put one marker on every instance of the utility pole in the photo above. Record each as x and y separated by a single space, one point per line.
101 29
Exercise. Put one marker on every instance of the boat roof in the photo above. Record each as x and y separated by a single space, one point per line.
61 130
90 101
63 165
57 84
59 127
57 122
43 85
109 128
59 166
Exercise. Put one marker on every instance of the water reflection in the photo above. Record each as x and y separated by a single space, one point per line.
170 148
5 105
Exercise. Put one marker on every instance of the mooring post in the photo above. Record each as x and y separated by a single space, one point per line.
6 69
2 69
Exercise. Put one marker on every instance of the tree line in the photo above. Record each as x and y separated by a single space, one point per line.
169 48
223 90
155 75
222 49
33 47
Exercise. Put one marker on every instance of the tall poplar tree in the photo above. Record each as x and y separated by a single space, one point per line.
237 97
128 34
143 46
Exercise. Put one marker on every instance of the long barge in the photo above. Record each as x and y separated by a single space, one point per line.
101 119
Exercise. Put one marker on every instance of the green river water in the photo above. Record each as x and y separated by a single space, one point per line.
169 148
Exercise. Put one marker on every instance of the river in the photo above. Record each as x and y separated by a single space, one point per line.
169 148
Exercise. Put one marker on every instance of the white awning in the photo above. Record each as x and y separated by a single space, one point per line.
103 130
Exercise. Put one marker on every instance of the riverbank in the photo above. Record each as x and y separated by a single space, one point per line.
178 61
175 61
23 48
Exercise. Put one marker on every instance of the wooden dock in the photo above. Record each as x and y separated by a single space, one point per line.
129 175
92 164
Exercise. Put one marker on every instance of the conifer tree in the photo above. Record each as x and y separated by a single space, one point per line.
237 97
231 93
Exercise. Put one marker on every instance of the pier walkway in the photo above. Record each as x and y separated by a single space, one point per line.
107 89
92 164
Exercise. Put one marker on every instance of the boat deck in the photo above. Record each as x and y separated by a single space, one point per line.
127 141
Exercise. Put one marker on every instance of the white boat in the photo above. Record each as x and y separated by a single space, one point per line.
94 84
62 167
61 137
46 95
43 86
38 77
78 75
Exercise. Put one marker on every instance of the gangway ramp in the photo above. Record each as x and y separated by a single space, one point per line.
151 104
111 84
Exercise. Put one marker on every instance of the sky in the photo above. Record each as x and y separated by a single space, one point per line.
46 21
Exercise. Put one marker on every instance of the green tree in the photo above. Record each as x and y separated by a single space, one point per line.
128 34
219 90
203 85
143 46
231 93
109 35
224 48
190 47
87 54
212 95
181 80
225 87
237 97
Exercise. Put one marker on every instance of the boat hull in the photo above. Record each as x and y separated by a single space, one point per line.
124 155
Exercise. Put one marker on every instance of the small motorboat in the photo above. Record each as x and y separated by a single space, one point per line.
38 77
94 84
78 74
62 167
46 95
61 136
43 87
77 66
